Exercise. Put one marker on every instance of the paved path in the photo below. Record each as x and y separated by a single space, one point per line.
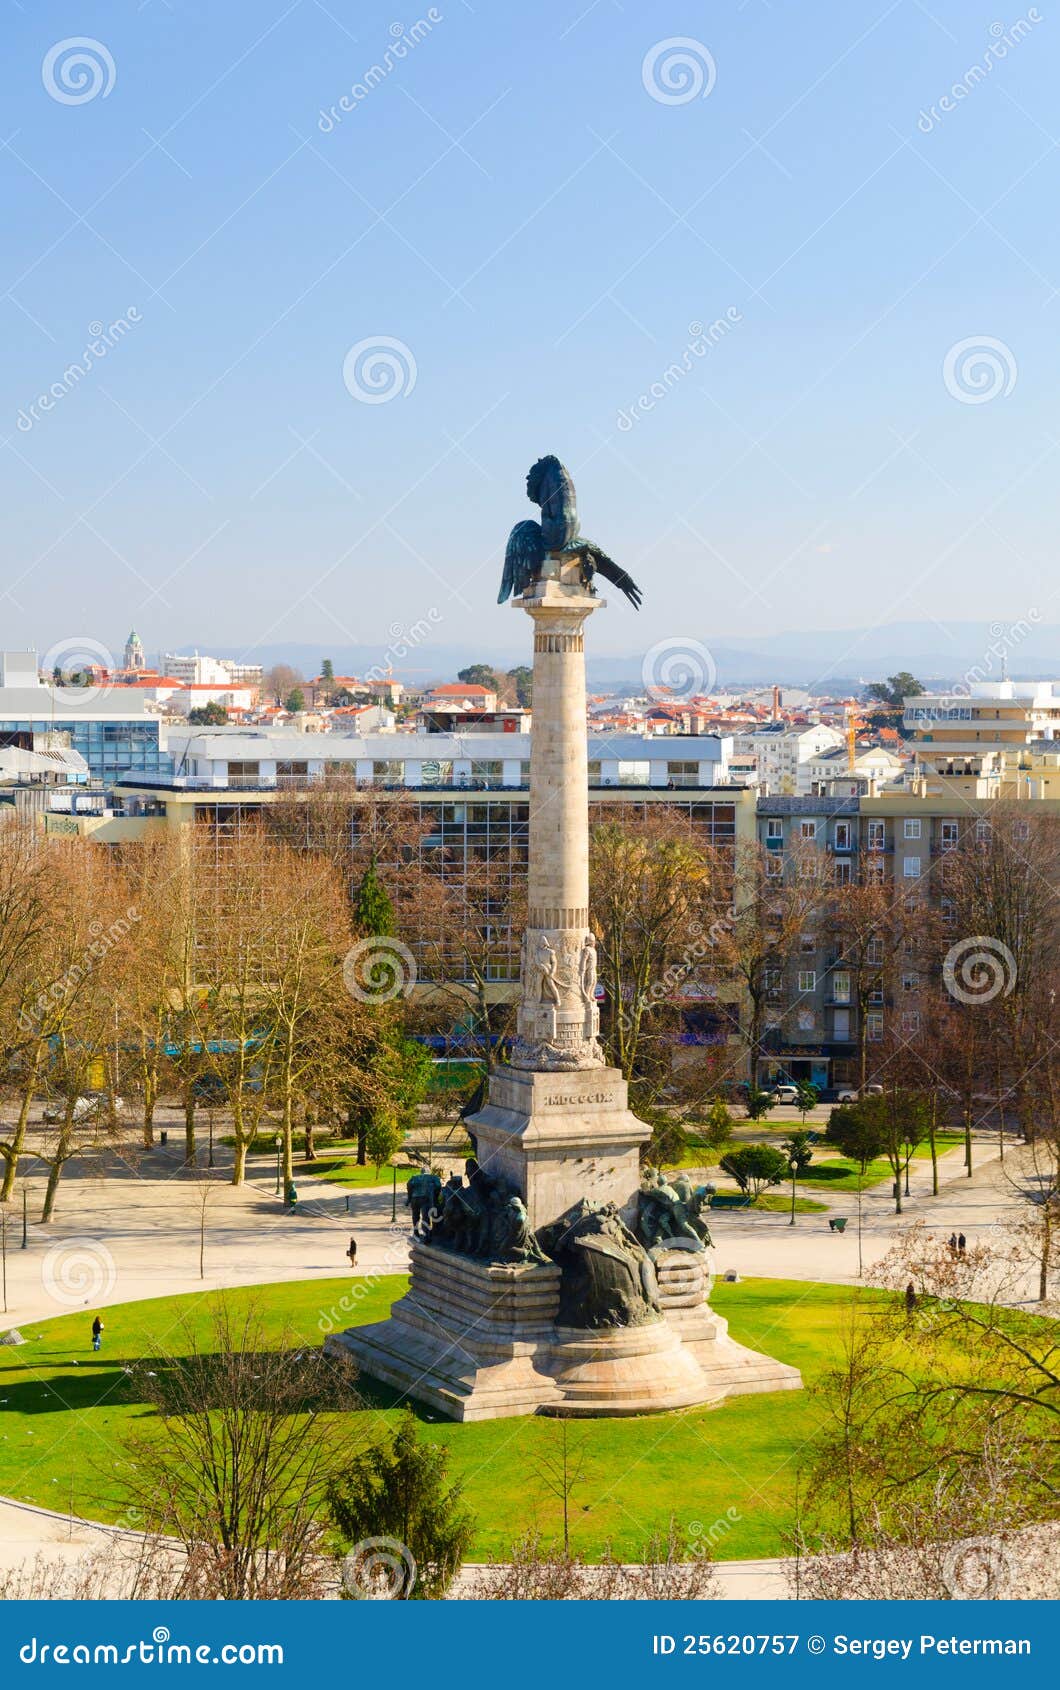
136 1233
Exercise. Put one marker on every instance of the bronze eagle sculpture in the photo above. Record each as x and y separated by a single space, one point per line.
550 486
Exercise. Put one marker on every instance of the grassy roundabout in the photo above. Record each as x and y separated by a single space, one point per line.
62 1425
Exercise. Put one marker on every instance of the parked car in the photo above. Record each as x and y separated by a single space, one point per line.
785 1092
92 1106
851 1094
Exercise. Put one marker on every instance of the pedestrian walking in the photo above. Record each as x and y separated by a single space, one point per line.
97 1334
352 1252
910 1297
953 1243
962 1244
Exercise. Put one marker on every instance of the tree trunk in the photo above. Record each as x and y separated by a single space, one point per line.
968 1141
239 1160
150 1099
189 1126
62 1155
933 1147
310 1147
18 1140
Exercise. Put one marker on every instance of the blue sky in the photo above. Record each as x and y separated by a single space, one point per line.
515 206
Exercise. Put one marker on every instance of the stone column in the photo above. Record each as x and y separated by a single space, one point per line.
558 1022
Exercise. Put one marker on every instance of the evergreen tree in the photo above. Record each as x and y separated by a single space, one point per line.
372 910
398 1490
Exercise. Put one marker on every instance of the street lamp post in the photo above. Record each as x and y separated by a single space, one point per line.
278 1142
793 1164
25 1230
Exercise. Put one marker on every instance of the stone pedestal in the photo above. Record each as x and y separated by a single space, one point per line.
477 1341
560 1136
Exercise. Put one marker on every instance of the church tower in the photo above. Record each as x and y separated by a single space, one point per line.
134 652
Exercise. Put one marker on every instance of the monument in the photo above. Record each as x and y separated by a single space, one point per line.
558 1276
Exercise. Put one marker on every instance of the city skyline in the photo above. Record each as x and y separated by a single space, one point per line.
778 294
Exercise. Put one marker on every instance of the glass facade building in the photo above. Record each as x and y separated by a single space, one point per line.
110 748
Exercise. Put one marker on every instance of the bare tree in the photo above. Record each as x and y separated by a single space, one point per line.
250 1442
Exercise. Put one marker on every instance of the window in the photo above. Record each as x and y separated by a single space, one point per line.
774 831
874 1025
841 986
771 980
384 773
682 774
874 953
911 827
910 1021
911 981
1021 830
947 911
807 980
807 943
634 774
774 867
842 872
873 870
948 836
983 831
842 836
911 868
808 830
805 1021
436 772
875 994
489 770
594 772
841 1024
876 837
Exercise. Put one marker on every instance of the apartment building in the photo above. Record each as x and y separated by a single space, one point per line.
785 756
1002 716
902 836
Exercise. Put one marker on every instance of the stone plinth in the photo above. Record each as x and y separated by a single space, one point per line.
557 1137
478 1341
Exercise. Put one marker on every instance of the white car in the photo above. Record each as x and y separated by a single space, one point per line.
88 1108
851 1094
785 1093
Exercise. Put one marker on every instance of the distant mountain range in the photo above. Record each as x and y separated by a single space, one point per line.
821 659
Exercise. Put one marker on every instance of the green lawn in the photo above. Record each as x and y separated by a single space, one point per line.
839 1173
343 1170
773 1202
64 1413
